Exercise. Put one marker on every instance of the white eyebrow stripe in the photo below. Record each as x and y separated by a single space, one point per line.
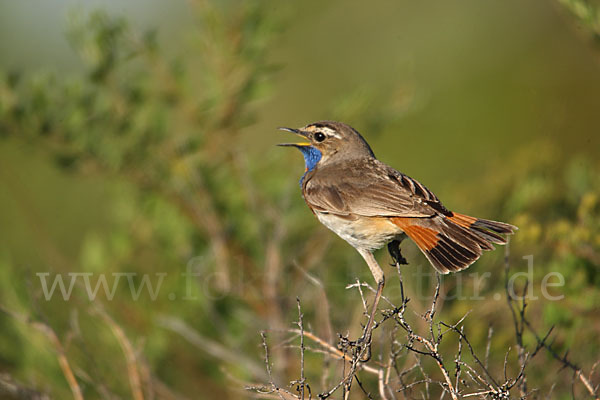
331 132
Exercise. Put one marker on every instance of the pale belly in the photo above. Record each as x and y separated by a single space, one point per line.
362 232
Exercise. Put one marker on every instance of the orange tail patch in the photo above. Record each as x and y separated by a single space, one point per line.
462 220
425 238
447 249
452 243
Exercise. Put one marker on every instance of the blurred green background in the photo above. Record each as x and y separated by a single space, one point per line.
139 137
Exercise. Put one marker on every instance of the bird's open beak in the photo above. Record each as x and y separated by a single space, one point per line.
297 132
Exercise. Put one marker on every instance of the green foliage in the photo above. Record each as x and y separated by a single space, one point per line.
164 130
587 13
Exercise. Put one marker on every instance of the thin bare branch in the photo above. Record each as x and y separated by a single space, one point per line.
63 361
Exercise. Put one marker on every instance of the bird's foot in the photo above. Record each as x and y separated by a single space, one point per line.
396 253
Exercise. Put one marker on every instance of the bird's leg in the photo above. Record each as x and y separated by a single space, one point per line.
380 278
395 252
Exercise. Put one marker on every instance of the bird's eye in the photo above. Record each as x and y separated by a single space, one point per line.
319 136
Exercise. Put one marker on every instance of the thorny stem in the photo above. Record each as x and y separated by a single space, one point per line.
302 381
428 347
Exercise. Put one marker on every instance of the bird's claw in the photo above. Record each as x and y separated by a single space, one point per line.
396 253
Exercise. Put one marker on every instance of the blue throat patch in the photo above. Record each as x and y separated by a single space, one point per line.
311 158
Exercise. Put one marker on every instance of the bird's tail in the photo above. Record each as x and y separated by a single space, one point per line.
452 243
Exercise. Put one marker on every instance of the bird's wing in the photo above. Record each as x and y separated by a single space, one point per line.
368 188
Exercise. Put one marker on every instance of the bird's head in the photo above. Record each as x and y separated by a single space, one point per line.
328 142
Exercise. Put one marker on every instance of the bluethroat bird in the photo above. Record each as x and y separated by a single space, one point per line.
369 204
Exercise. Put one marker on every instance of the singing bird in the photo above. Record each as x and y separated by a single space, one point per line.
369 204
